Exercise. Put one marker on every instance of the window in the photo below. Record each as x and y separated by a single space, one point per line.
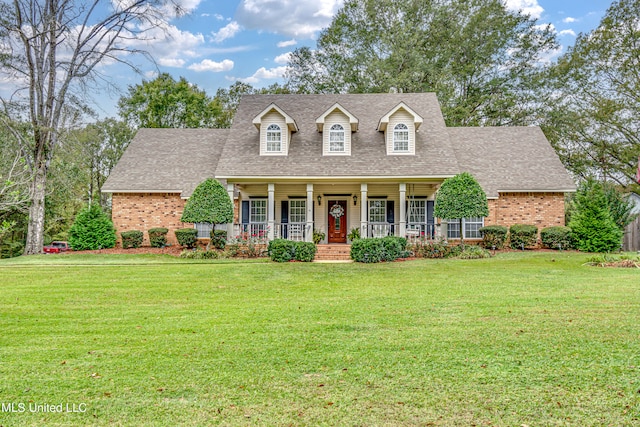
377 210
204 229
471 228
274 138
258 211
417 212
336 138
297 211
401 138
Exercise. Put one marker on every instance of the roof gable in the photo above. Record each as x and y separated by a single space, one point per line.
353 120
384 121
291 124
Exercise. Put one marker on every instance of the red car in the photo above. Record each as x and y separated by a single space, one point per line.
56 248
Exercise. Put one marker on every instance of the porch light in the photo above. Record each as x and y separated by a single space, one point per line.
355 200
319 200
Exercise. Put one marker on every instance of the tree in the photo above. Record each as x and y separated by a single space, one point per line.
461 197
230 98
591 221
51 50
166 103
481 59
209 204
92 230
593 119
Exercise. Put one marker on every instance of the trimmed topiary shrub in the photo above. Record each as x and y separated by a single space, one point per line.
305 251
158 237
219 238
557 237
187 237
493 236
372 250
395 247
131 239
281 250
92 230
523 236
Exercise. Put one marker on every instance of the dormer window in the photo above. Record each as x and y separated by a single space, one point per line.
401 138
274 138
336 139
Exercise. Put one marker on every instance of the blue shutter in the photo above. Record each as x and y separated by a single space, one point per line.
245 212
284 218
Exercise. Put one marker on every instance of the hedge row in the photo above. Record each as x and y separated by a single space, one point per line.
521 236
281 250
371 250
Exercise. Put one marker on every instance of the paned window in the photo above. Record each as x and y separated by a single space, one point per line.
377 210
336 138
204 229
401 138
297 211
274 138
471 228
258 211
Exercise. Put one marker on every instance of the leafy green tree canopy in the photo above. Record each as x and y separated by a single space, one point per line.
92 230
209 203
166 103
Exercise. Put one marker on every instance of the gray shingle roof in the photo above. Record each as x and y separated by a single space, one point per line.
167 160
510 159
434 155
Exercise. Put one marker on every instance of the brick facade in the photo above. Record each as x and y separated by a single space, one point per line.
143 211
539 209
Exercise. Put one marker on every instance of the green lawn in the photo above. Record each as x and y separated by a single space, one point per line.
534 339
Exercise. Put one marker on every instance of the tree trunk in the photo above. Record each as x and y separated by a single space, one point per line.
461 234
35 231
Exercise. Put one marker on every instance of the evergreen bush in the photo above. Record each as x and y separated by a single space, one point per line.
523 236
557 237
187 237
158 237
131 239
305 251
493 236
371 250
281 250
218 238
92 230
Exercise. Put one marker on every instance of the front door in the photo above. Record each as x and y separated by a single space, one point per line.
337 214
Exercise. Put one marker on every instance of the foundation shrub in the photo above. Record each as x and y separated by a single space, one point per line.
131 239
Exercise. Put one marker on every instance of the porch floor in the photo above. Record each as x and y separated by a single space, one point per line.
333 253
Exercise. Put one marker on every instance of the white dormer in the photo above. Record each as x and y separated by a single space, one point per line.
336 125
275 128
400 126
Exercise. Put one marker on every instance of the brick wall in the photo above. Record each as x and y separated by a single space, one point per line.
539 209
142 211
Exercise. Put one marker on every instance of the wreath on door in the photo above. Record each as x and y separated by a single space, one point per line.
336 211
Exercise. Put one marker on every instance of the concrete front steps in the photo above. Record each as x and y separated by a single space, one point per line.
333 253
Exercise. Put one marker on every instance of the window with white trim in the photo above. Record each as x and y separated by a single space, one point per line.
204 229
471 228
258 211
274 138
401 138
336 139
297 211
377 210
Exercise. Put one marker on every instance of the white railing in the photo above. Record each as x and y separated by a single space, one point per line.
419 231
296 231
381 229
256 231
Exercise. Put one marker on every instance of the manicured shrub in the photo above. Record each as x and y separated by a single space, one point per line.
218 238
158 237
523 236
372 250
92 230
305 251
131 239
395 247
493 236
434 249
198 254
557 237
281 250
187 237
474 252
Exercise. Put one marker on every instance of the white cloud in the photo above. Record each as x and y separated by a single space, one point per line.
209 65
171 62
226 32
297 18
569 20
262 74
219 17
282 59
567 33
527 7
288 43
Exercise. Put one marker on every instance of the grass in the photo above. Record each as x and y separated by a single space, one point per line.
534 339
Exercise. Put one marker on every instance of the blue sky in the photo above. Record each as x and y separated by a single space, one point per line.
222 41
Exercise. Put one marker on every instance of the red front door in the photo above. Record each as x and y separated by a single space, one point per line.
337 214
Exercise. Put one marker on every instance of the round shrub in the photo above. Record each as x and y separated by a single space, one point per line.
557 237
305 251
158 237
493 236
187 237
367 250
131 239
523 236
92 230
281 250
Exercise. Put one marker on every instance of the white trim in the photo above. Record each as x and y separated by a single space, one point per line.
353 120
384 121
291 124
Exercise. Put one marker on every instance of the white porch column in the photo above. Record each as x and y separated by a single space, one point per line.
271 211
403 210
230 191
310 224
363 209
